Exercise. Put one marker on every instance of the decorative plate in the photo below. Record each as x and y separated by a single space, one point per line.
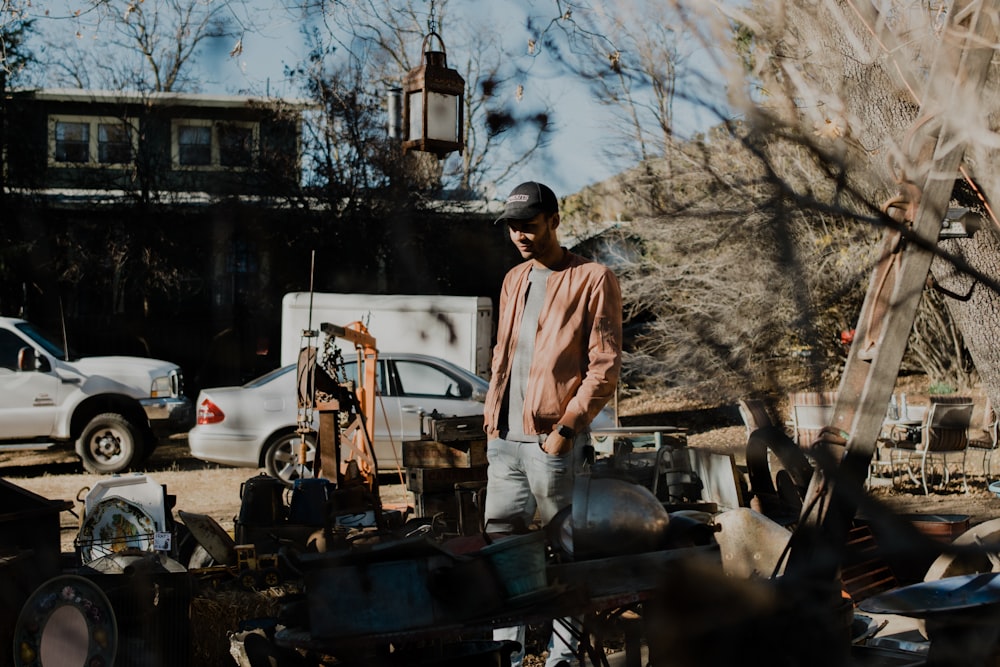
67 622
115 525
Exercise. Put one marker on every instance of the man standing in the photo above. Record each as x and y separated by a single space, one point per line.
555 366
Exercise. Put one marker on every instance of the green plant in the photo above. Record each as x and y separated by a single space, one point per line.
940 388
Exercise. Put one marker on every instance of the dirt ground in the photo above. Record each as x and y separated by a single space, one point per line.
199 487
214 490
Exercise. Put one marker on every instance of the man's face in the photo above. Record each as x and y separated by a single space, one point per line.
536 238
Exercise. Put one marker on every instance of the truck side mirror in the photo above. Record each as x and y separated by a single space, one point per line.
29 360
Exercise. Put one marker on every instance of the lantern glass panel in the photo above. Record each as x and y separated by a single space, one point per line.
416 129
442 116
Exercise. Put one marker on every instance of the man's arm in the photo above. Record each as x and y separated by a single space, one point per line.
604 355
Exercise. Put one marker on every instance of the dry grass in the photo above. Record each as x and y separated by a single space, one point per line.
215 614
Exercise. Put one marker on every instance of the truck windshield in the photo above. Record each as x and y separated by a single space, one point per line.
46 344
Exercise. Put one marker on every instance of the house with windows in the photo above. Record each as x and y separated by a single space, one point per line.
149 215
172 224
74 142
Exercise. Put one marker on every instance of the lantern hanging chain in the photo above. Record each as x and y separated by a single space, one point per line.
432 25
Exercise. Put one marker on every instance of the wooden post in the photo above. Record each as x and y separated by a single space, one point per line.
327 461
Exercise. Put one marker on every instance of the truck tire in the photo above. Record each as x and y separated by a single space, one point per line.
281 460
108 444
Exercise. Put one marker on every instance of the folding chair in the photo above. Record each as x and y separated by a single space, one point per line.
812 411
988 444
945 431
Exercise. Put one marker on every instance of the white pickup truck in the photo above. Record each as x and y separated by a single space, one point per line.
112 409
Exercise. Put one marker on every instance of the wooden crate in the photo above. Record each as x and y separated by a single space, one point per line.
430 480
439 502
434 454
865 573
455 509
450 429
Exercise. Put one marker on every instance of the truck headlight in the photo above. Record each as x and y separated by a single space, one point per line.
166 386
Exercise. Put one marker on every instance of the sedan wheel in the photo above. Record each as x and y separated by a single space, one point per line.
283 458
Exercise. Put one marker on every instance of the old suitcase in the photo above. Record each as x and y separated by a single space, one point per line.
430 480
450 429
435 454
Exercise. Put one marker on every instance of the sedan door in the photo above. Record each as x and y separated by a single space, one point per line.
424 390
388 447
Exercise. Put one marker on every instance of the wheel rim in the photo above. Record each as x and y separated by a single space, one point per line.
248 580
105 445
287 466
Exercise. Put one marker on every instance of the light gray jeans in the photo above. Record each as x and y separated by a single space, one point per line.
523 479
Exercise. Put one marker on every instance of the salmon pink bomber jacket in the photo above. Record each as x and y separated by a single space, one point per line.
577 358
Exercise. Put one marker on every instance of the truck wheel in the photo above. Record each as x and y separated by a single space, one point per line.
282 458
109 444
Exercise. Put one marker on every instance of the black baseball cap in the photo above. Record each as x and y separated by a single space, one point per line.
528 200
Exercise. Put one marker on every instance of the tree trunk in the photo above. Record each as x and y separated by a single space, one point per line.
974 306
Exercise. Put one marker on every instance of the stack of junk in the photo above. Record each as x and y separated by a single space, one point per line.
669 552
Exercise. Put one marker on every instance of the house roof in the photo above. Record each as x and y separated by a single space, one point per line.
164 99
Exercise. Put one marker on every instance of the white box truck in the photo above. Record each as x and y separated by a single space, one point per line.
456 328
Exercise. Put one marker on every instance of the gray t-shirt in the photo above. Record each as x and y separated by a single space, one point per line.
534 299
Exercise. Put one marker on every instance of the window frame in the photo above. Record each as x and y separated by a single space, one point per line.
215 161
93 145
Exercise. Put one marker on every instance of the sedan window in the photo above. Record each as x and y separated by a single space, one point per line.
351 375
418 379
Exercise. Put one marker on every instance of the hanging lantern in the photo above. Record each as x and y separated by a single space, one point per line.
433 100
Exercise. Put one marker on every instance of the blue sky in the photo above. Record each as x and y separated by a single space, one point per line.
572 159
582 138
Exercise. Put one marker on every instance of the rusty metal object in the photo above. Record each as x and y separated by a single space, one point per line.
359 435
784 503
750 543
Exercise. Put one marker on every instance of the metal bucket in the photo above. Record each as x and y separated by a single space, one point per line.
308 503
519 561
262 501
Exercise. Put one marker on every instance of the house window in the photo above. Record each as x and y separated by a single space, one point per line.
72 142
91 141
235 145
113 143
194 145
206 144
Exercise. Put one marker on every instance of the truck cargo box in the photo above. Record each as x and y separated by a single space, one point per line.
456 328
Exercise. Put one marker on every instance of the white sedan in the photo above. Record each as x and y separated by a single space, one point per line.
255 425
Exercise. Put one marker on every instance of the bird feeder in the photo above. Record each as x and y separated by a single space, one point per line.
433 98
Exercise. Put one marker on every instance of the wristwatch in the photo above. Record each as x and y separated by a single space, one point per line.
565 431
